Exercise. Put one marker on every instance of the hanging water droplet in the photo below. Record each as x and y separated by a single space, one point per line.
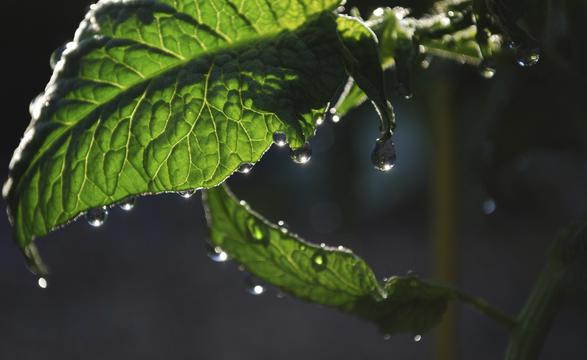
487 69
97 217
417 338
425 63
319 121
216 254
404 91
42 282
279 138
187 194
56 56
245 168
302 155
253 286
489 206
383 156
128 204
527 56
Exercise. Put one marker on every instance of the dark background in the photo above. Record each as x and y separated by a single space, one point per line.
141 287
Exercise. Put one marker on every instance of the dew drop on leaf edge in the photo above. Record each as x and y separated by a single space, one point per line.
187 194
280 138
253 287
216 254
56 56
97 217
42 282
302 155
128 204
245 168
384 156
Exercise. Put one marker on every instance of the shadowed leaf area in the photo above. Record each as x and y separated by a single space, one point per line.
155 96
333 277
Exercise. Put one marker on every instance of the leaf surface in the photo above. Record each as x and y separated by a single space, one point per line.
333 277
169 95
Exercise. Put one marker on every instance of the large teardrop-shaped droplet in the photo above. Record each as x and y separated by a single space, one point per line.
216 254
527 56
280 138
42 282
253 286
187 194
56 56
97 217
383 156
302 155
245 168
128 204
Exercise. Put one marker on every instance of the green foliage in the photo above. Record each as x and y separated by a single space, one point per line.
168 96
333 277
176 95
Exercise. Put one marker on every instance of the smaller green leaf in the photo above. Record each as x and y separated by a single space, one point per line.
333 277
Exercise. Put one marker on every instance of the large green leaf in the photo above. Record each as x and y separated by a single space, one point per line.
328 276
169 95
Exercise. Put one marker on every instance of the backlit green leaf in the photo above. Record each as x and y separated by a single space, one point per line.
169 95
333 277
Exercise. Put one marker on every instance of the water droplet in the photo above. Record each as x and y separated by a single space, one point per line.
487 69
319 121
97 217
128 204
319 260
253 286
489 206
383 156
417 338
258 232
245 168
279 138
283 226
527 56
42 282
425 63
56 56
216 254
387 337
187 194
302 155
404 91
335 119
